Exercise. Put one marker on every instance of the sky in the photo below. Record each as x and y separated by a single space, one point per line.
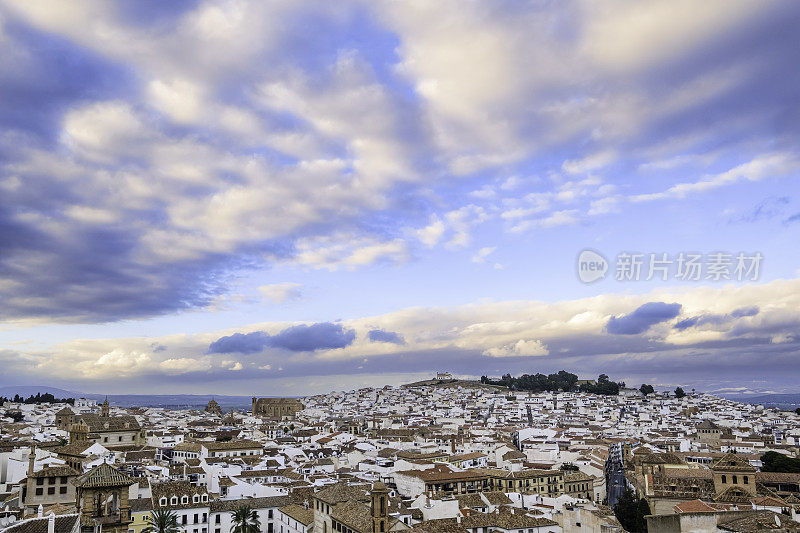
286 198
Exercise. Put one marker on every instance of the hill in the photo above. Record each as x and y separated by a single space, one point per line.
31 390
452 383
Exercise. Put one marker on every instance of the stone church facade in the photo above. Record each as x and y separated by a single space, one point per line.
277 408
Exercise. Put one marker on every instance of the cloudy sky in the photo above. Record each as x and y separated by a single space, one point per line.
275 197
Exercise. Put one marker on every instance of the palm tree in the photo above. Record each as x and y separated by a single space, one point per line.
245 520
162 521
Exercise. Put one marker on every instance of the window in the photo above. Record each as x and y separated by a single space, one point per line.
51 490
724 479
163 501
62 490
64 479
746 481
40 481
39 492
216 519
735 479
174 500
51 481
184 499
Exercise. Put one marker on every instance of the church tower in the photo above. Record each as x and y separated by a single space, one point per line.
101 496
104 409
78 432
380 508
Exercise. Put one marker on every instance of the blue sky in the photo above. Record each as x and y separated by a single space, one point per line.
276 197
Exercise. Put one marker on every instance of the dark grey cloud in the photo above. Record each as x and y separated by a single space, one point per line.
244 343
716 319
301 338
379 335
643 318
320 336
687 323
751 310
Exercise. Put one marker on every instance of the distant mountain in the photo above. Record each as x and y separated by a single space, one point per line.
778 400
169 401
177 401
31 390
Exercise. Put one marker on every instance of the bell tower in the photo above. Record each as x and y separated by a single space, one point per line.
101 496
78 432
379 507
104 412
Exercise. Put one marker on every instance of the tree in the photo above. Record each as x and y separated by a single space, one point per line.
162 521
679 393
630 511
646 389
16 416
797 411
245 520
778 462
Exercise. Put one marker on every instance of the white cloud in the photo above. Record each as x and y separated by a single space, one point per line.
482 254
589 163
521 348
432 233
761 167
281 292
346 250
180 99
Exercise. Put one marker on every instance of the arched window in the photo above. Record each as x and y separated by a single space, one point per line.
724 479
735 479
196 498
184 499
163 501
174 500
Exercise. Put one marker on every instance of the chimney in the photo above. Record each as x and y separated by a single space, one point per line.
39 511
51 523
31 459
458 519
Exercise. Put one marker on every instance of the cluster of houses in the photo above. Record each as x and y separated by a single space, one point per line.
448 457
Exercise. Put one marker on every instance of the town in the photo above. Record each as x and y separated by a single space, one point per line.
444 455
